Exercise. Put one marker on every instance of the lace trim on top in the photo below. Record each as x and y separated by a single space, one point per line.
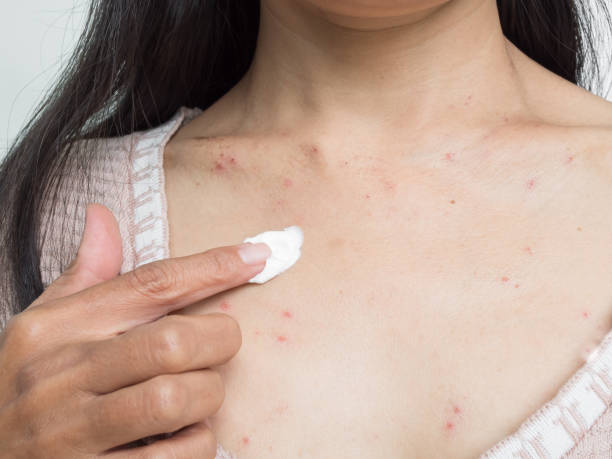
149 206
558 426
150 236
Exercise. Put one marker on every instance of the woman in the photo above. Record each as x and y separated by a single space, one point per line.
453 185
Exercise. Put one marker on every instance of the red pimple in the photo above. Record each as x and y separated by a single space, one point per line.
281 339
456 409
449 156
367 196
257 332
287 182
389 185
449 425
569 159
219 166
452 201
516 285
505 279
287 314
310 150
225 306
232 160
530 184
585 314
245 440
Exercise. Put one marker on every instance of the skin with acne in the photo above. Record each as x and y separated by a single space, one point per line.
420 298
399 307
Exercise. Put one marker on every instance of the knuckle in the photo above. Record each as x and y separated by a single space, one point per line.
219 266
170 347
25 328
165 400
155 280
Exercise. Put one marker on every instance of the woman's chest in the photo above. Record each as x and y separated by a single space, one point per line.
392 345
407 328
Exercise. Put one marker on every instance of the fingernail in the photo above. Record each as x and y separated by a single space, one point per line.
254 254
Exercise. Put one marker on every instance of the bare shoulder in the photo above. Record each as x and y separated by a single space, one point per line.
576 118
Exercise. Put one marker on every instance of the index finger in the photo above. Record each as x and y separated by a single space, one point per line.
155 289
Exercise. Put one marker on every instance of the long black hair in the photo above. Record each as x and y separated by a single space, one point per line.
137 62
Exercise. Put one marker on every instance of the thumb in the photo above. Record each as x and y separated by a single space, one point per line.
98 258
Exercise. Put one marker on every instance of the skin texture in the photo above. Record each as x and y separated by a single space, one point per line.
125 375
454 197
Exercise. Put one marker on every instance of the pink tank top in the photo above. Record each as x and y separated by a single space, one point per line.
128 178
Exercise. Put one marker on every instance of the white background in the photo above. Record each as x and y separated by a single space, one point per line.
36 38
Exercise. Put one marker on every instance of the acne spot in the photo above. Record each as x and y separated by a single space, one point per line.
579 228
452 201
530 184
456 409
281 339
506 119
245 440
388 184
528 250
287 182
585 314
516 285
257 332
310 150
569 159
346 163
225 306
232 160
197 183
449 425
505 279
219 166
287 314
367 196
449 156
468 100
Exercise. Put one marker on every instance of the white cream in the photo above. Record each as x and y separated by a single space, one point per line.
285 246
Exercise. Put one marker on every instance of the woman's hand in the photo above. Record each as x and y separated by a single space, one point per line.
87 367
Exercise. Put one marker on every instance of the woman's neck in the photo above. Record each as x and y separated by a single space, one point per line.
448 65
